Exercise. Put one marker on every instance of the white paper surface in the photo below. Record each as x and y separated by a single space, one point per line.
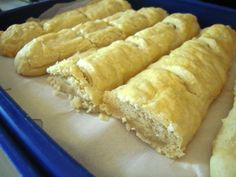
105 148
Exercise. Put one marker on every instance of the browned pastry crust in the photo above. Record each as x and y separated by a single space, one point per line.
111 66
37 55
16 36
166 103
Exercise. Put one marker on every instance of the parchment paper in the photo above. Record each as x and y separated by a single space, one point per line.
105 148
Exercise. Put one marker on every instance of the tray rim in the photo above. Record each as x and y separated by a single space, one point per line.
21 125
37 142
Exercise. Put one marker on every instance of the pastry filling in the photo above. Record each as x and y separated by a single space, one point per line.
78 94
162 139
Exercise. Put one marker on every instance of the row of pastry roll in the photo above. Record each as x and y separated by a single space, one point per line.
223 160
16 36
86 76
34 58
165 103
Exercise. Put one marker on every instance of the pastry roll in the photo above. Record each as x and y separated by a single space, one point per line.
223 159
165 103
111 66
107 8
28 61
37 55
16 36
93 11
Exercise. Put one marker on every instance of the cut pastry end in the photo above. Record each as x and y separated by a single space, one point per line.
67 78
164 139
79 92
70 80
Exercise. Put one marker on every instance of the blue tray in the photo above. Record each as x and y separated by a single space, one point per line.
52 158
207 14
21 163
20 14
43 149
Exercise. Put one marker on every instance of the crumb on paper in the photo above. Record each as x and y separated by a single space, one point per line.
8 89
132 129
123 120
103 117
39 122
77 110
55 92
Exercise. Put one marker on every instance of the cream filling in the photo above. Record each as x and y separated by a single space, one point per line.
81 97
147 127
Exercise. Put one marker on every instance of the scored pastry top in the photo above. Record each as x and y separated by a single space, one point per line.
177 90
105 63
16 36
43 51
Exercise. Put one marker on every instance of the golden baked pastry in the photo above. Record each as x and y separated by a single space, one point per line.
16 36
223 159
165 103
28 61
111 66
92 11
41 52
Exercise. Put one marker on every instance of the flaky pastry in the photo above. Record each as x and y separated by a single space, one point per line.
166 103
111 66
